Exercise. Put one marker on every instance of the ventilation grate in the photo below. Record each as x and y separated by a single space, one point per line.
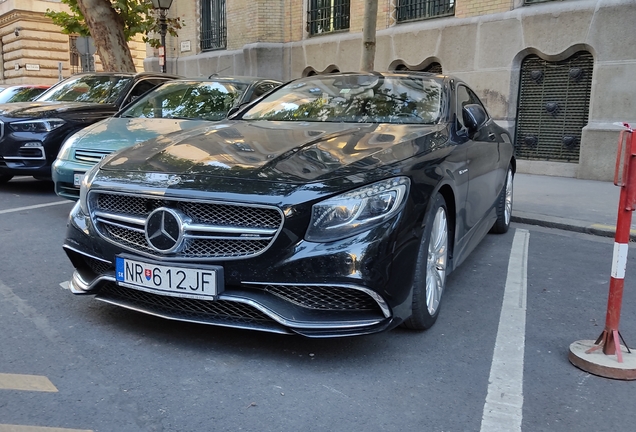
554 99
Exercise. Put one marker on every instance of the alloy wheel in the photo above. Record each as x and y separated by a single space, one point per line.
436 262
508 203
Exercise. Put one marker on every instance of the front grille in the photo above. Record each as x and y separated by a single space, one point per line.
214 230
194 248
217 311
91 156
324 297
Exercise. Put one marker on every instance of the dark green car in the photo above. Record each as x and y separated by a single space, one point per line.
171 107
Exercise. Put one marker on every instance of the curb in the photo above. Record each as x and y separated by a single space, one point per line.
566 224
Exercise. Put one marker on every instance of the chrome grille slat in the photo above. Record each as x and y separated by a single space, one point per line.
213 230
91 156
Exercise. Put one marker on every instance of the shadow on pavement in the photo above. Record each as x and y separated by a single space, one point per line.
27 186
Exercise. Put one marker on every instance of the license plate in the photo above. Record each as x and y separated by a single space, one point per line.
197 283
77 179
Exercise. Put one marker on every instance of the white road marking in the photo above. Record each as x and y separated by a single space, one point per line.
40 321
26 383
20 428
65 284
19 209
503 410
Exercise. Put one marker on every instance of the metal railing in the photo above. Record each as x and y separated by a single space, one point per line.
408 10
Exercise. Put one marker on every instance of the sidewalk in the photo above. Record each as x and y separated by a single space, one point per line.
572 204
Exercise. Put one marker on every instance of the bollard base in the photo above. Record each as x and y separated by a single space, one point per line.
598 363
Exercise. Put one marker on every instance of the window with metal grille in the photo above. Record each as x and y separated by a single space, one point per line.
408 10
213 25
325 16
527 2
74 55
554 99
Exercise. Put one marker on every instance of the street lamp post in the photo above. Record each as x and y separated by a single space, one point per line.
162 7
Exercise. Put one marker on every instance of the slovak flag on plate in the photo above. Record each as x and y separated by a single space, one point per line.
148 274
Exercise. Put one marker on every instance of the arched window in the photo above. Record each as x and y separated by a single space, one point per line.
432 68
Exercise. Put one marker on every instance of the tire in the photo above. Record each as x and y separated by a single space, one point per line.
5 178
504 205
430 270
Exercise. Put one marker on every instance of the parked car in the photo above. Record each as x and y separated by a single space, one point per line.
31 133
21 93
337 205
173 106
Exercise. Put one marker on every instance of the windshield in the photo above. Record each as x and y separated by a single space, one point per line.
364 98
20 94
88 88
188 100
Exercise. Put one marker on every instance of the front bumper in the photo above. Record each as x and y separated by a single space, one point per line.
28 154
344 288
63 172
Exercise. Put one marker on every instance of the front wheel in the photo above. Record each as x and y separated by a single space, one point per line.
504 206
430 270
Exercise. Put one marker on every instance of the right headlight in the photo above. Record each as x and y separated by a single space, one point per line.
357 210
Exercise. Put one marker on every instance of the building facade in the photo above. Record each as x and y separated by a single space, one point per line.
558 74
33 50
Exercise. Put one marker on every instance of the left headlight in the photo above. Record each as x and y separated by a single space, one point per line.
65 150
357 210
85 185
40 125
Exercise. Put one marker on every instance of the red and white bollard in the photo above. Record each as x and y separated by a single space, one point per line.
606 356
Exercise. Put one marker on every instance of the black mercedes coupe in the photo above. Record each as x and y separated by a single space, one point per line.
337 205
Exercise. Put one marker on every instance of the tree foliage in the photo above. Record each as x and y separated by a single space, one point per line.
137 15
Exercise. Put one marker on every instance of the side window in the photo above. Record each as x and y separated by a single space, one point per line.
141 88
261 89
465 96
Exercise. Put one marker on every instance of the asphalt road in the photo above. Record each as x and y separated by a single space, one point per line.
72 363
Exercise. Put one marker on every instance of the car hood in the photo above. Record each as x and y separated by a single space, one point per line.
116 133
48 109
279 151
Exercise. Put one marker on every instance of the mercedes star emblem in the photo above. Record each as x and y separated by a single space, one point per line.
164 230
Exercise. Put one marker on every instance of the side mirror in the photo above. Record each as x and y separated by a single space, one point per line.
232 111
474 117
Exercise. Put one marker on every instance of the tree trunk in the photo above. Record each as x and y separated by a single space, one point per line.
107 30
368 35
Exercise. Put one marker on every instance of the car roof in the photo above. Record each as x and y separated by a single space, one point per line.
132 74
42 86
228 79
